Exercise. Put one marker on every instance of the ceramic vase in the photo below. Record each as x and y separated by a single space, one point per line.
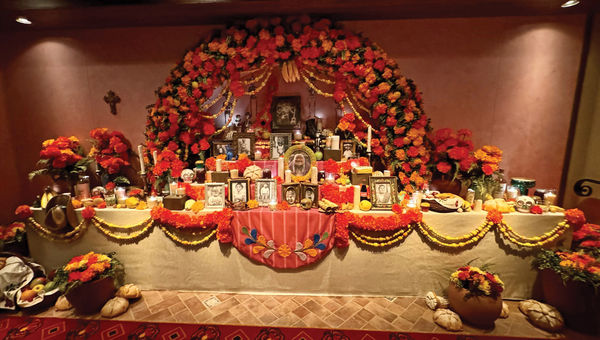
478 310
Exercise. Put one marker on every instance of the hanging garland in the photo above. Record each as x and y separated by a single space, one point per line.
176 239
244 55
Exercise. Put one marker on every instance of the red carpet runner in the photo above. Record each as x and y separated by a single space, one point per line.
53 328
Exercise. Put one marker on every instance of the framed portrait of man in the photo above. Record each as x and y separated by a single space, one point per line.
384 192
285 112
221 147
214 195
244 143
265 191
279 143
348 149
300 159
310 191
290 193
239 190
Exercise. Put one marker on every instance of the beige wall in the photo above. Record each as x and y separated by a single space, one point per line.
585 158
510 80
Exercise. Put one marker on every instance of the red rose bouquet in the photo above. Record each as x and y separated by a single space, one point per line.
62 157
477 281
452 152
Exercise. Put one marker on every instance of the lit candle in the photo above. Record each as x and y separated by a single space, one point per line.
121 194
335 142
478 205
386 173
288 176
273 205
328 143
512 193
257 155
297 135
354 164
151 202
319 124
314 175
369 139
142 168
356 197
180 191
173 188
280 167
330 179
234 173
209 176
219 164
155 157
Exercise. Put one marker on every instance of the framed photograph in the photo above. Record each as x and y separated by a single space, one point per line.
215 195
279 144
221 147
265 191
348 149
243 143
285 112
310 191
384 192
239 190
300 159
290 193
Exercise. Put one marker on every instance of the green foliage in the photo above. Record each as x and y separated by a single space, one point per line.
116 271
548 259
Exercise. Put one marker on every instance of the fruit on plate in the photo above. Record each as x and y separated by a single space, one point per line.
49 286
37 281
38 288
365 205
132 202
497 204
28 295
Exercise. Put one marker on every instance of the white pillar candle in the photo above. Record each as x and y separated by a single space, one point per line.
297 135
314 175
155 157
121 194
233 173
328 143
140 152
369 139
335 142
288 176
180 191
386 173
280 167
356 197
151 202
257 155
219 164
478 205
273 205
173 188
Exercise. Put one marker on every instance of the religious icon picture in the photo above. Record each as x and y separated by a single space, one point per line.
285 112
384 192
221 147
279 144
290 193
300 159
244 143
265 191
239 190
215 195
348 149
310 191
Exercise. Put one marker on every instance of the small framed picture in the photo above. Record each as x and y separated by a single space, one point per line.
215 195
239 190
348 149
221 147
290 193
310 191
244 143
384 192
265 191
279 144
286 112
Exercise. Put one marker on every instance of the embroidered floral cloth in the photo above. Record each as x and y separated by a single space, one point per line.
283 239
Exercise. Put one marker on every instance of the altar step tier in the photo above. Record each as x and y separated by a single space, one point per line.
285 251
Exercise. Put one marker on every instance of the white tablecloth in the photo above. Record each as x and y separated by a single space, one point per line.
411 268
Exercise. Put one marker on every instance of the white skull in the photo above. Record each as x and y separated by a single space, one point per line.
524 204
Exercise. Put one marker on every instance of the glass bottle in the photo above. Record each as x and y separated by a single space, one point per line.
364 193
200 172
501 187
83 187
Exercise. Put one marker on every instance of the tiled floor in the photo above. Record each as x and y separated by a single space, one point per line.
346 312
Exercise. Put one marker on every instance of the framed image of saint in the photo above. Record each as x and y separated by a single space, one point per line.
239 190
265 191
290 193
310 191
285 112
215 195
221 147
348 149
300 159
384 192
279 143
244 143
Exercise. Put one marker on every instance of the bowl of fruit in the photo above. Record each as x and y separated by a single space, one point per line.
38 294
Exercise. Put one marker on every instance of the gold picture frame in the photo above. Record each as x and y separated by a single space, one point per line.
300 159
287 189
384 192
307 190
347 146
244 143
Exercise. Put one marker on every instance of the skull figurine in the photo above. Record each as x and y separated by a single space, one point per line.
188 175
524 204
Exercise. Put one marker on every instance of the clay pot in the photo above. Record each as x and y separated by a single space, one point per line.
445 184
578 303
478 310
89 297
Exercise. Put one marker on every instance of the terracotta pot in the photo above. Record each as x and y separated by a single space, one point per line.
578 303
89 297
478 310
445 184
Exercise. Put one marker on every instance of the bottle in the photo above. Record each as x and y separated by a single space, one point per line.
200 172
501 188
83 187
364 194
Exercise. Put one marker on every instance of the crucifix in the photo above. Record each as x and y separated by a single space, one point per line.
112 99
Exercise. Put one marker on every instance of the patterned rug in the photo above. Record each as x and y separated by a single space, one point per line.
55 328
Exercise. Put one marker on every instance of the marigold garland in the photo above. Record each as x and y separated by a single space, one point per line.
175 238
70 236
146 227
182 220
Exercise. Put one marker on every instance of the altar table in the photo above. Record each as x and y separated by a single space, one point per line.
412 267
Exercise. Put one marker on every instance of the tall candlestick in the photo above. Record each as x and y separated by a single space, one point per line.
369 139
219 164
142 168
314 175
155 157
280 167
288 176
356 197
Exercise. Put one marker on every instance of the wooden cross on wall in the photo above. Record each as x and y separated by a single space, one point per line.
112 99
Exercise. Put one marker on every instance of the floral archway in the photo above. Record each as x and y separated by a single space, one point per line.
241 59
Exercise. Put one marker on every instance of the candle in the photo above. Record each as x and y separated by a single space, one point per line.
219 164
335 142
142 168
209 176
550 198
288 176
356 197
319 124
354 164
151 202
180 191
121 194
314 175
330 179
369 139
512 193
173 188
155 157
280 167
478 205
328 143
233 173
257 155
273 205
386 173
297 135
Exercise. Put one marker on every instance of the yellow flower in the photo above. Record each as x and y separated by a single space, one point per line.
284 250
47 143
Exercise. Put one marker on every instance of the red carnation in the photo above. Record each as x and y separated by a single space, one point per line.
88 212
536 209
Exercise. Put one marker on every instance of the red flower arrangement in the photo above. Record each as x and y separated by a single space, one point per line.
575 218
588 236
494 216
181 220
283 205
168 163
536 209
89 267
452 152
23 212
111 150
332 192
195 193
15 230
488 159
61 158
477 281
88 212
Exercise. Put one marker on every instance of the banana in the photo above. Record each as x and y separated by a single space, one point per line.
284 72
296 72
46 196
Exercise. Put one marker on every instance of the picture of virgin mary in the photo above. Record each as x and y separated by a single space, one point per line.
299 163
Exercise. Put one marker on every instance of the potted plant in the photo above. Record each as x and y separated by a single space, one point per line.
90 280
475 294
13 238
62 159
451 157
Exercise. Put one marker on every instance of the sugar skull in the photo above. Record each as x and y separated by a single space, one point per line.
524 204
188 175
